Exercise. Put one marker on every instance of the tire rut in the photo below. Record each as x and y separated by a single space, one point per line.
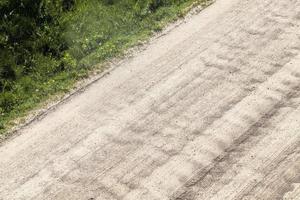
180 120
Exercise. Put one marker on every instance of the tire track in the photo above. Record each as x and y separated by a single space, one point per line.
180 120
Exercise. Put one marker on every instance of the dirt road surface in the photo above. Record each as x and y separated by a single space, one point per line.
210 110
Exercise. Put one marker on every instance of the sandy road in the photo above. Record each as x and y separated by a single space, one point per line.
209 111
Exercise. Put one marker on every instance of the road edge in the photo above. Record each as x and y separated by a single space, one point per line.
52 104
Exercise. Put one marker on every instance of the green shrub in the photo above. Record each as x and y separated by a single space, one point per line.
7 101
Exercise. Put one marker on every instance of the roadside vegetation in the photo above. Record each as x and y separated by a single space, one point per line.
47 45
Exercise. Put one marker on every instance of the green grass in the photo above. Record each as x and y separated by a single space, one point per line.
95 32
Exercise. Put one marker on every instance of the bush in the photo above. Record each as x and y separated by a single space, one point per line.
7 101
29 27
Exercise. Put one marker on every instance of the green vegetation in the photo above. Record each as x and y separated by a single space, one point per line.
47 45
